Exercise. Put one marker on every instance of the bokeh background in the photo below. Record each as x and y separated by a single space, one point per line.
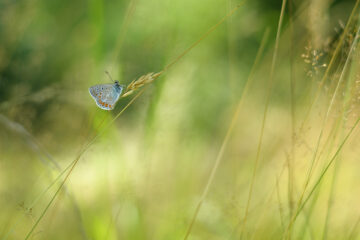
145 175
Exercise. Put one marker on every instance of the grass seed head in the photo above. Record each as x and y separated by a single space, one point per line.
140 82
314 59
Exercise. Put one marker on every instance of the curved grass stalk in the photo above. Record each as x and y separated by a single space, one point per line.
73 164
330 145
128 14
37 199
327 167
231 52
150 77
136 84
291 158
331 63
330 199
228 133
341 78
343 120
271 82
55 166
267 202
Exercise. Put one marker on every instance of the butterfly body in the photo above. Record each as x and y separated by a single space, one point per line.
106 95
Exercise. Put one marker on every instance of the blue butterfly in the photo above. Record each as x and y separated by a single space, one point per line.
106 95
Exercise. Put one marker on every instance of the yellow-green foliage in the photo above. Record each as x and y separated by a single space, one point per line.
239 120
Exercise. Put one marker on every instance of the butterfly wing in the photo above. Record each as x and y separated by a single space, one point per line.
94 91
106 95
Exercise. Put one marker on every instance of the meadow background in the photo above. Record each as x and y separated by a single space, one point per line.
172 166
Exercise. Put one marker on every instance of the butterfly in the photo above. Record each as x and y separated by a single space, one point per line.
106 95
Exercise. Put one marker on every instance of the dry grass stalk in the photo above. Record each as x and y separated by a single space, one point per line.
133 86
150 77
143 80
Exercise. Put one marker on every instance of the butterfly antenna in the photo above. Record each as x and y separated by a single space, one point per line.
107 73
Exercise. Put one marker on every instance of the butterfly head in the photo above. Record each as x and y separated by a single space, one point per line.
118 86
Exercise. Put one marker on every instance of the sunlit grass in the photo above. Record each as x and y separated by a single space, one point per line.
180 153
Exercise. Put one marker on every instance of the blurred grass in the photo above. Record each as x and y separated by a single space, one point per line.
144 176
